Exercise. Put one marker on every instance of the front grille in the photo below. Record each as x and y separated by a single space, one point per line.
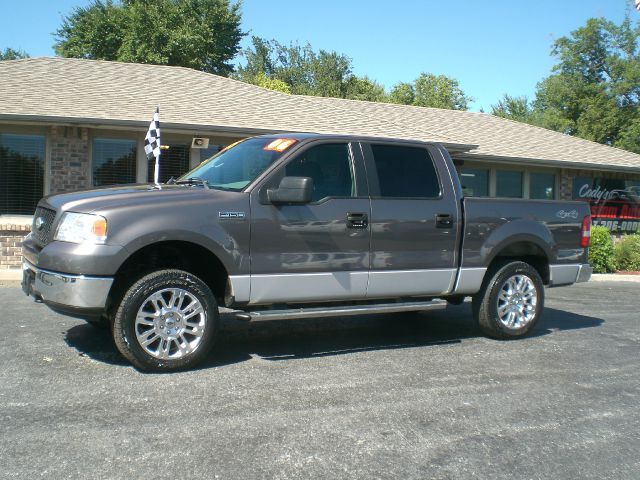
43 234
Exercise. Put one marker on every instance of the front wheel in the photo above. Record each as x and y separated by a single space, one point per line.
510 302
166 321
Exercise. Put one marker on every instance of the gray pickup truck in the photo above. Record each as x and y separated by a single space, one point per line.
293 226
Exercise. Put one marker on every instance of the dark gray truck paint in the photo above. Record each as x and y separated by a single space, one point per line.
308 253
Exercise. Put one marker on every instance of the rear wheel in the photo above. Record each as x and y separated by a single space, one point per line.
510 302
166 321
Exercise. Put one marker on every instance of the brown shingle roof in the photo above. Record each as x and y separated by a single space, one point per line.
75 90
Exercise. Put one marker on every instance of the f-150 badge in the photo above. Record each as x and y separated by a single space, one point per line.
238 215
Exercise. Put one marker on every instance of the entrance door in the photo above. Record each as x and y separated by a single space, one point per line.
302 253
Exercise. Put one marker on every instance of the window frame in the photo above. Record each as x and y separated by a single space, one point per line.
271 177
526 171
46 163
530 172
372 170
523 191
478 167
92 156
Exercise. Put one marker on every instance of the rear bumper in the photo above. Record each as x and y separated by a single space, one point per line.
65 291
569 274
584 273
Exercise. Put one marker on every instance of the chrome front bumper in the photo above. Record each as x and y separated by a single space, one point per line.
75 291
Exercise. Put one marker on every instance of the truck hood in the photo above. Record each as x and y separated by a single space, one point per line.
108 198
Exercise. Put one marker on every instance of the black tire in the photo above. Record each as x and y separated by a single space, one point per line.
125 328
486 301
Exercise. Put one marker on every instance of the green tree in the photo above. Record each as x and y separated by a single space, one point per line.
594 91
440 92
429 90
200 34
300 67
514 108
330 74
305 71
263 81
11 54
403 93
363 88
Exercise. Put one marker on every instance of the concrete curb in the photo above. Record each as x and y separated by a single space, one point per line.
614 277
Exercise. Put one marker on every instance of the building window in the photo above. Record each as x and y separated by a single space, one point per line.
21 173
475 182
114 161
174 162
405 172
542 186
508 184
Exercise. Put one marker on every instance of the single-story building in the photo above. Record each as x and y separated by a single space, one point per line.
70 124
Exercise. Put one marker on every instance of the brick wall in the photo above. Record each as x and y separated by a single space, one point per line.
11 245
70 165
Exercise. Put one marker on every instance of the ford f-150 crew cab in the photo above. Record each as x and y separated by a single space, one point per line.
291 226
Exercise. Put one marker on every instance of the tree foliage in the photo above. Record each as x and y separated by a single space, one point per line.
439 91
261 80
594 92
11 54
330 74
403 93
303 70
200 34
594 89
514 108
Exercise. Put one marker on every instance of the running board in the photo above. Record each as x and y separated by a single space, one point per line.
341 311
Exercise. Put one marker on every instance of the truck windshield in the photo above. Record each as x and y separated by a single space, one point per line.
236 167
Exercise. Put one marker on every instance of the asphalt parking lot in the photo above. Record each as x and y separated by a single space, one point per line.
395 396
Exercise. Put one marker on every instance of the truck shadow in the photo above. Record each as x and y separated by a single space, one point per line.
318 337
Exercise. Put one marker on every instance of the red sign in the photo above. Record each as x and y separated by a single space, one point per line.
615 204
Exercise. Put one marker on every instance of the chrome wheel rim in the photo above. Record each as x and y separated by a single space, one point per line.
170 323
517 302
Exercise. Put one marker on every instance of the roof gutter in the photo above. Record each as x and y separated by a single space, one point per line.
138 124
536 162
188 128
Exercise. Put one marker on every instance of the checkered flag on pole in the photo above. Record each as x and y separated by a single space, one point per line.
152 143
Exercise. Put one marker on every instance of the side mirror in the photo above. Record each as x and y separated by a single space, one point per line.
291 190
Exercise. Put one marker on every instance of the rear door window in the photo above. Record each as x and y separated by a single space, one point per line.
405 172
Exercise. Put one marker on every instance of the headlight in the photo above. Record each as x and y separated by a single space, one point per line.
81 228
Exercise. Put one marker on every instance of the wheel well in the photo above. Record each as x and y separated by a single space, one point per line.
187 256
527 252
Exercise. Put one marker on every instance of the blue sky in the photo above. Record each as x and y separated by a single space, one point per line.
491 48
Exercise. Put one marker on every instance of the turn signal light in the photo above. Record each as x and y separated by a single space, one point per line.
585 237
99 228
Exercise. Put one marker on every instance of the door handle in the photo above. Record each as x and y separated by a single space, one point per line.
444 220
357 220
